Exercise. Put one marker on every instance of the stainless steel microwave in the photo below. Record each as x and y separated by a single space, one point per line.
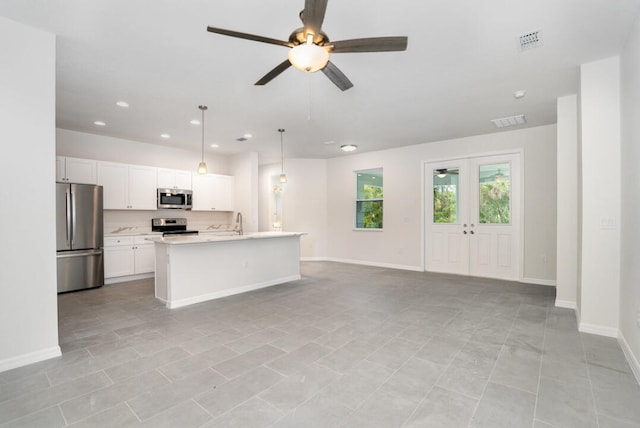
175 199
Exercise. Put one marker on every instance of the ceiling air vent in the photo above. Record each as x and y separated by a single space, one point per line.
530 40
503 122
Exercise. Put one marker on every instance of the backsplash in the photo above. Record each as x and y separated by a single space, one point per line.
122 221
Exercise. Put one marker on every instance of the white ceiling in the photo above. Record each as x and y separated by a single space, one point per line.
459 71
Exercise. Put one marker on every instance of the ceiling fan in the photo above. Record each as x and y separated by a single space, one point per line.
443 172
310 46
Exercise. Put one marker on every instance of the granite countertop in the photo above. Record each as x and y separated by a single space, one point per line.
130 231
204 238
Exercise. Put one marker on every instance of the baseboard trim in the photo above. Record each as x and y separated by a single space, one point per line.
376 264
538 281
173 304
30 358
314 259
631 358
118 279
598 329
567 304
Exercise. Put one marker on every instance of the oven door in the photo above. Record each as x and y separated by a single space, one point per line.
174 199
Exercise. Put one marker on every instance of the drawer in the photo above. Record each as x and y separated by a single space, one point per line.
117 241
142 239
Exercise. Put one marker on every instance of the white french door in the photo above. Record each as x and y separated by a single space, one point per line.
473 220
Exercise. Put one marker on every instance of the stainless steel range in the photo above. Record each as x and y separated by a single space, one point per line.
171 226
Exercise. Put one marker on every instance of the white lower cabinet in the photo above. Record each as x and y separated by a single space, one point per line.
128 255
144 258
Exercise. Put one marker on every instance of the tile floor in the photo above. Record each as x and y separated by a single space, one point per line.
346 346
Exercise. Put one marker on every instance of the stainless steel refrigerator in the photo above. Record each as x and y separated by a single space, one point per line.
79 233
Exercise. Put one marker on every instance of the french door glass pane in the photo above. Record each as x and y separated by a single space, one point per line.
495 193
445 195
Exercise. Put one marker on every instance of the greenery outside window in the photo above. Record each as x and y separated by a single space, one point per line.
446 195
369 199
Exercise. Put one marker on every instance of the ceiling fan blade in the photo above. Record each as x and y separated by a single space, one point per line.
313 15
249 37
372 44
274 73
336 76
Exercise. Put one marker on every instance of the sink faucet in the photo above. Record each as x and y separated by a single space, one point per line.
238 226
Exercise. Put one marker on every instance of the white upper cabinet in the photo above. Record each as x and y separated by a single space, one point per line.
174 179
224 193
213 192
143 188
125 186
74 170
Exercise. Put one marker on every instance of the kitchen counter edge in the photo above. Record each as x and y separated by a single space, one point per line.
201 239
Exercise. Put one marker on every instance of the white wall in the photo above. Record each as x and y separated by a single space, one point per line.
92 146
28 303
567 202
600 148
304 203
244 167
400 243
630 198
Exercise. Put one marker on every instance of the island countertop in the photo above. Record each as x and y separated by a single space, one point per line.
205 237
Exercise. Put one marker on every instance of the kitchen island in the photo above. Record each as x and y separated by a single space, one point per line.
194 269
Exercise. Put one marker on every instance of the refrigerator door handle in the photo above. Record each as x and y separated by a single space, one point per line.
78 254
69 224
73 218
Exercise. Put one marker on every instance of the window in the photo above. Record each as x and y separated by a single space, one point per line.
369 198
445 195
495 194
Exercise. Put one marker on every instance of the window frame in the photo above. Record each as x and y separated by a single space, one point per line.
357 201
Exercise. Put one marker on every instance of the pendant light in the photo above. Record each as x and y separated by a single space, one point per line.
283 177
202 166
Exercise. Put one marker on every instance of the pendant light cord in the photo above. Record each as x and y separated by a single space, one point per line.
203 108
281 131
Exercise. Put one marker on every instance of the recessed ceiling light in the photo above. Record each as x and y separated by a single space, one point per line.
348 147
165 136
122 104
214 146
247 136
195 122
519 94
327 143
99 123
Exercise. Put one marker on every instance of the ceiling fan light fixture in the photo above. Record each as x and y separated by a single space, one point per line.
308 57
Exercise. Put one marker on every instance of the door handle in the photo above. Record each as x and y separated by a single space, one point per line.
68 222
465 232
472 232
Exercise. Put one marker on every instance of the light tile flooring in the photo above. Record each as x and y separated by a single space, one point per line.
346 346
